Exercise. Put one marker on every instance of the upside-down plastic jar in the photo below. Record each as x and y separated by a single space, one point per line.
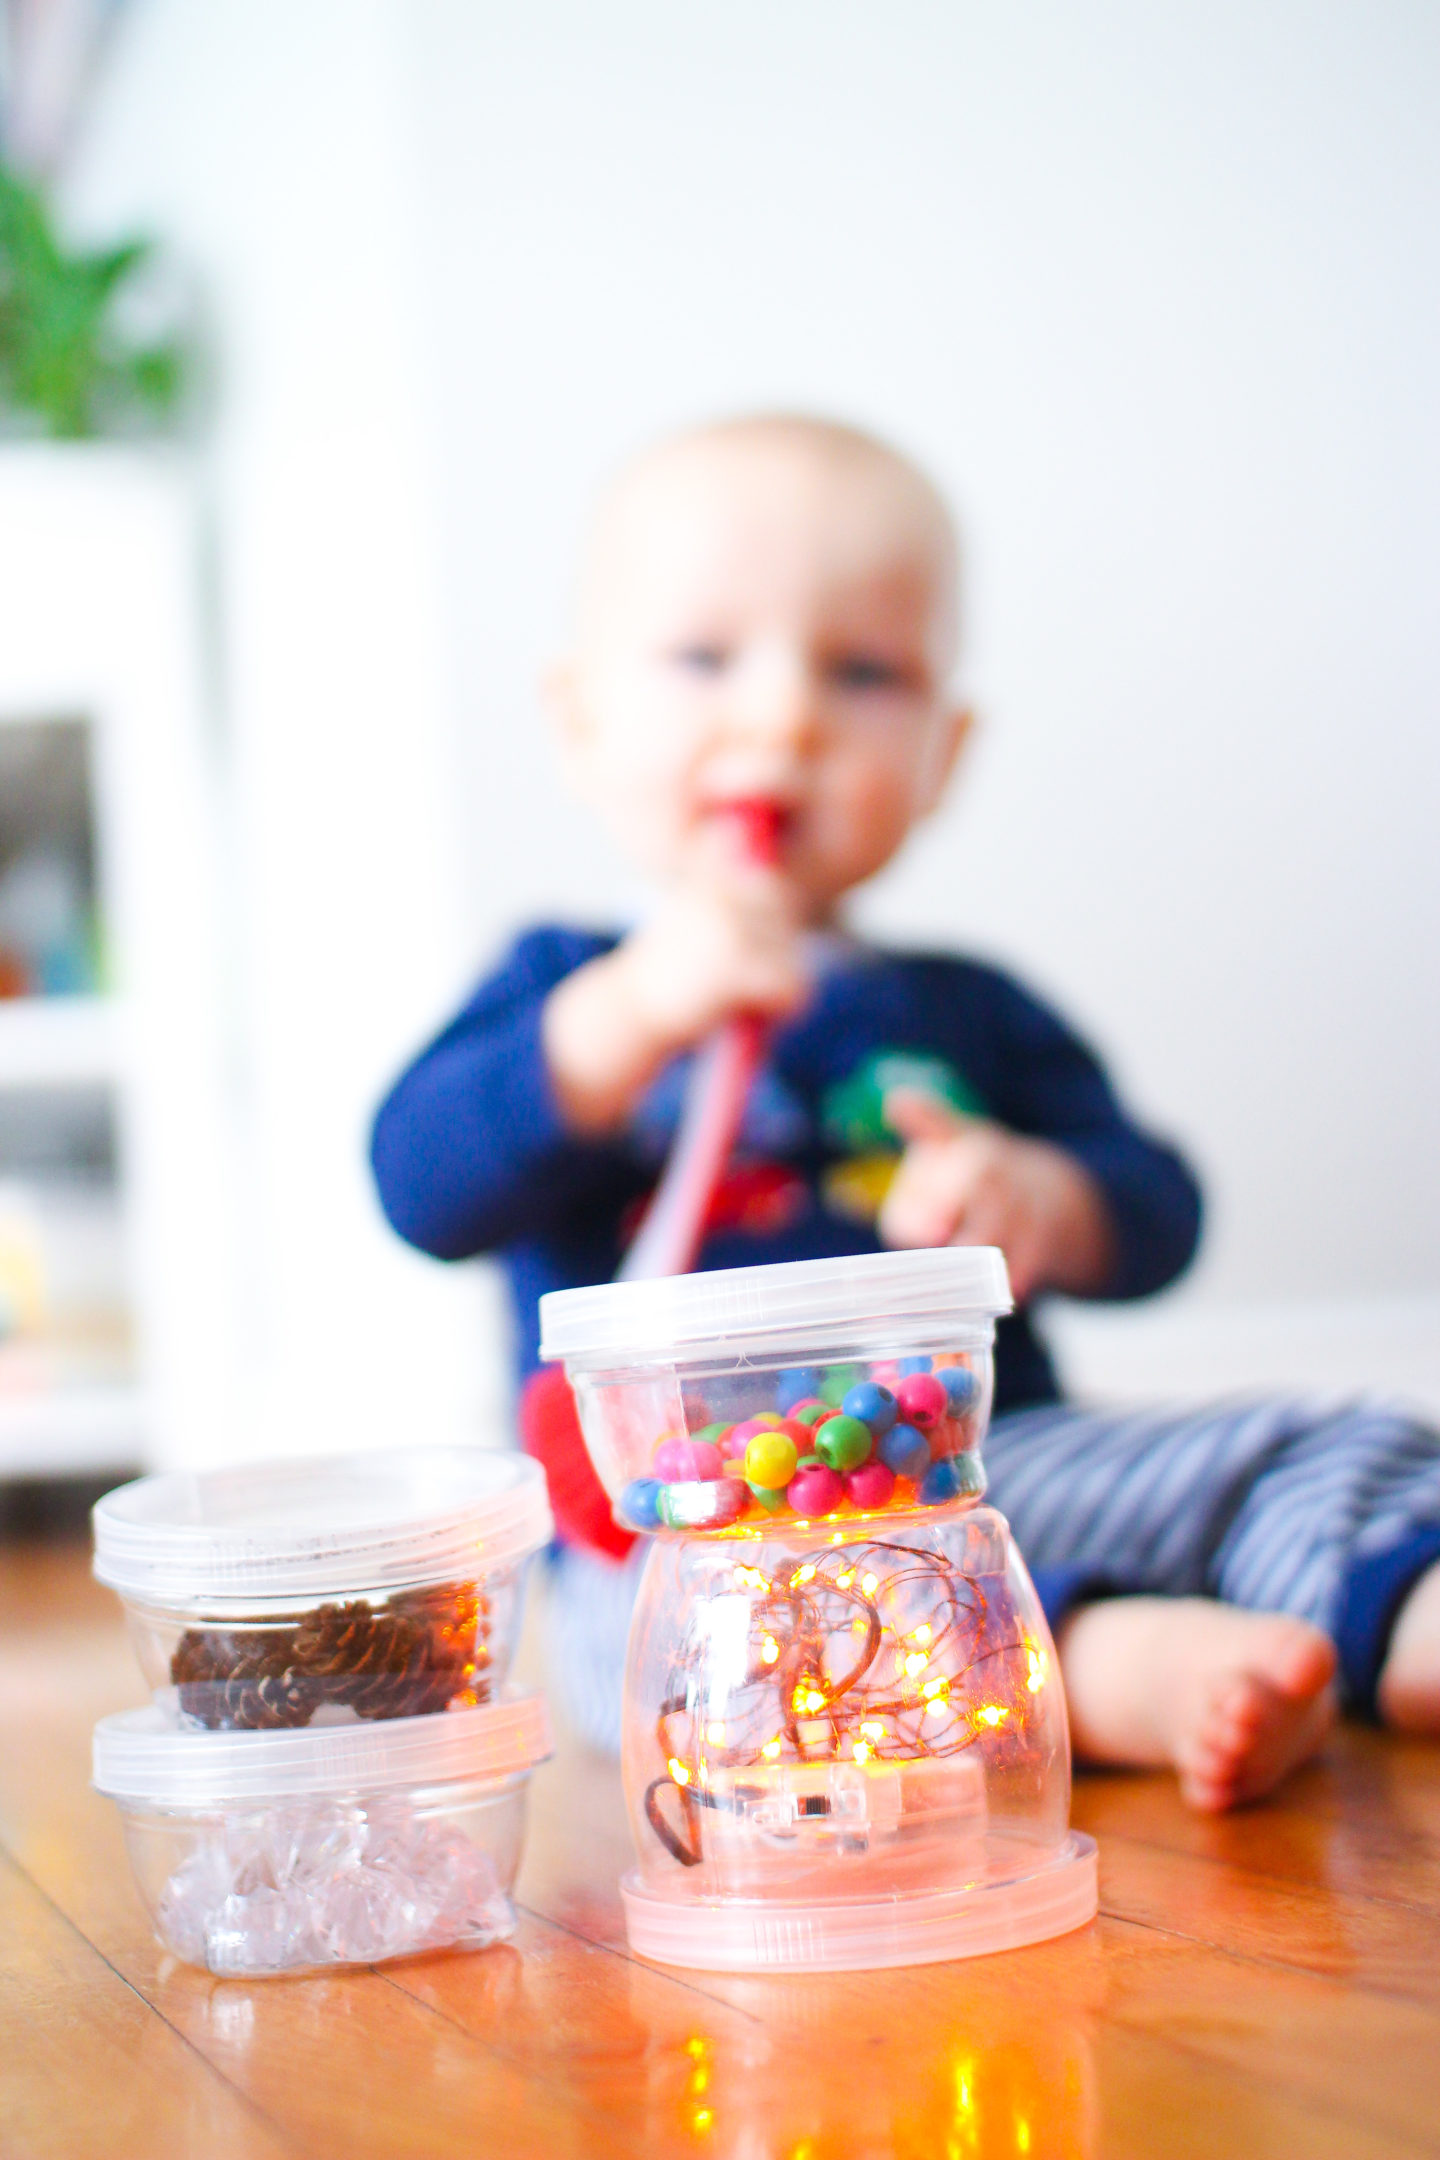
845 1741
274 1852
359 1587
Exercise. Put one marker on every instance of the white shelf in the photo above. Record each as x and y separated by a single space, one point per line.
72 1429
52 1042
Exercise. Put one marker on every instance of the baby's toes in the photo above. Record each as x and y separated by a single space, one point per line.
1219 1758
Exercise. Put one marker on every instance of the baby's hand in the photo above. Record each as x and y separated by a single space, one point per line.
967 1181
711 952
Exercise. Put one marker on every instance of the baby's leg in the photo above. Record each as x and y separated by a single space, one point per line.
1408 1693
1331 1516
1231 1700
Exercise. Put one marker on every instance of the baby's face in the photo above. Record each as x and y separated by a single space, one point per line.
764 620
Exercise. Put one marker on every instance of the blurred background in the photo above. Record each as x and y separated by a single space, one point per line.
288 504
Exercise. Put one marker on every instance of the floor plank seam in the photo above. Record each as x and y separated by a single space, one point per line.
513 2063
1345 1982
1265 1877
251 2106
675 1975
1320 2108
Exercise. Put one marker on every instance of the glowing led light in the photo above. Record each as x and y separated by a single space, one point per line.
935 1708
769 1649
932 1688
697 2045
1022 2134
991 1714
771 1749
862 1751
873 1728
916 1662
701 2120
715 1731
922 1633
844 1579
678 1771
870 1585
1039 1668
802 1575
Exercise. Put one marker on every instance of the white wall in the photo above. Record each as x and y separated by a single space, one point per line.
1152 290
261 139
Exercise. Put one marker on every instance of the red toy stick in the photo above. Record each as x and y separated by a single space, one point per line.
668 1239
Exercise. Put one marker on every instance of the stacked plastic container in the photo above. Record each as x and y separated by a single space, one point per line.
333 1766
845 1740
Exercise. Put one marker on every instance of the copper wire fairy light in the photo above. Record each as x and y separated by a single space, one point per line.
858 1654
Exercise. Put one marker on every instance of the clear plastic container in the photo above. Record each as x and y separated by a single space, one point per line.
816 1391
259 1853
845 1741
357 1587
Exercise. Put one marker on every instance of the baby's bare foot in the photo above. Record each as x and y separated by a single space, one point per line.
1232 1700
1409 1690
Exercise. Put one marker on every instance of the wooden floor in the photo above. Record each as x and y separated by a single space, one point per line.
1266 1984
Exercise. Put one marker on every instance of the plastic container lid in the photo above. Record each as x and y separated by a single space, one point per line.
677 1927
324 1526
815 1303
148 1756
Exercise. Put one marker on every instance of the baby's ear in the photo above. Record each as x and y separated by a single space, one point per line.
560 696
949 737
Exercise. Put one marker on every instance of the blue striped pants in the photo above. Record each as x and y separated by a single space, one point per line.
1281 1506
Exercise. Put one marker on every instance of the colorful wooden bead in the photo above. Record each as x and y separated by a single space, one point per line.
714 1433
770 1497
640 1503
812 1411
837 1381
687 1462
921 1398
916 1364
795 1386
905 1451
843 1442
961 1385
703 1504
770 1460
871 1486
958 1477
874 1406
815 1490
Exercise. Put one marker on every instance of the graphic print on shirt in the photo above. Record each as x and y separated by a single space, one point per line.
763 1194
853 1118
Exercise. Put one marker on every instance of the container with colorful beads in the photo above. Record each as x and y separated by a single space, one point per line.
844 1729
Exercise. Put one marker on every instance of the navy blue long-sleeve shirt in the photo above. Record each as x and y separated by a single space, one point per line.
471 1154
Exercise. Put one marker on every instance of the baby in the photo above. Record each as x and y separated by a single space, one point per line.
766 617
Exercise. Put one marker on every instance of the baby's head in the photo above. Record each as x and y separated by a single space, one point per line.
766 615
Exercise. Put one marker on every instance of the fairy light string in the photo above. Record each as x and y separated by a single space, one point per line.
869 1654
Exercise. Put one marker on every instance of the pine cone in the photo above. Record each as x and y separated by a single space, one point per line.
458 1621
412 1656
243 1682
408 1659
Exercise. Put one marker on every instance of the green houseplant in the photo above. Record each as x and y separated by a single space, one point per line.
69 368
